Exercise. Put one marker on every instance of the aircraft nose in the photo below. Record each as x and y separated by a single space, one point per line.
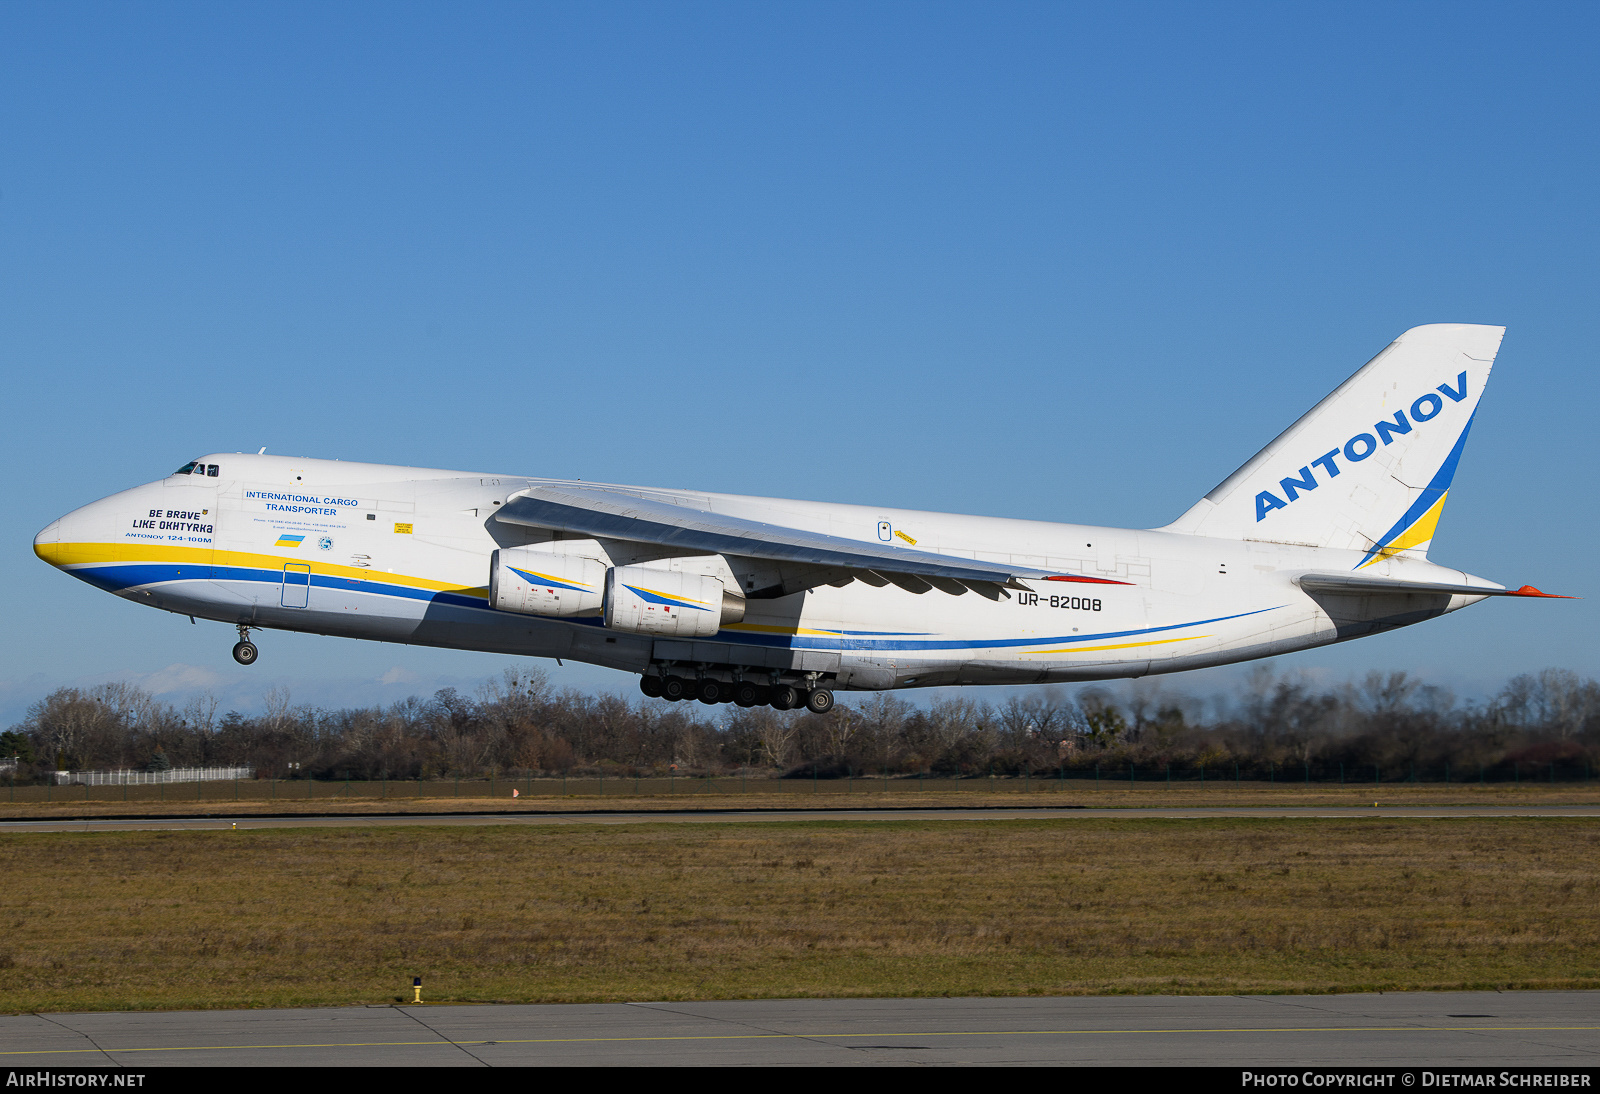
45 542
61 542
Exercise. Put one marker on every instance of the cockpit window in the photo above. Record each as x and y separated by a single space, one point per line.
187 469
211 470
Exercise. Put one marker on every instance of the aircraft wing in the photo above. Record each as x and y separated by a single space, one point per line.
611 514
1364 585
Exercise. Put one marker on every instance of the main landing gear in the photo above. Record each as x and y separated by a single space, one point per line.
245 651
745 693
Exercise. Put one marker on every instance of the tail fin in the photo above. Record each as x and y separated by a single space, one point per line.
1367 468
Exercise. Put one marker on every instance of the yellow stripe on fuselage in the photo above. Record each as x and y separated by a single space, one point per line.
71 555
1124 645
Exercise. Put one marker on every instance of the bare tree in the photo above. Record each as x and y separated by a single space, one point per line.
776 734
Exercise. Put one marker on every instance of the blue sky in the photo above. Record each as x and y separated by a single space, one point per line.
1054 261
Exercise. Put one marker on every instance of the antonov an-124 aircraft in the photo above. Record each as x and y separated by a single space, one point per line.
1321 537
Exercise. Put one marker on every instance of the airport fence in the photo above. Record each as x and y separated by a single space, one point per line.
132 777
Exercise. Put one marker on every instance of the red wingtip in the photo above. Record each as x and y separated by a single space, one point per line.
1089 580
1529 590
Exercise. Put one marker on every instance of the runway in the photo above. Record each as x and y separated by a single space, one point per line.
224 821
1462 1029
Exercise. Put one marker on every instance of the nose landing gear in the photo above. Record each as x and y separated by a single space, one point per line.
245 651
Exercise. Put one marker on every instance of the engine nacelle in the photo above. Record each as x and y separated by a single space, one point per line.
540 583
668 602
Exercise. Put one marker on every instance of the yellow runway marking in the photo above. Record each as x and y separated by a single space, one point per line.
820 1036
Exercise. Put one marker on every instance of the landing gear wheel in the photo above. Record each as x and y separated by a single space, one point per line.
820 701
712 692
651 686
746 694
246 653
784 697
674 688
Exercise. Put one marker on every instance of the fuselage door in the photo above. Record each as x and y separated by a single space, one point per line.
296 584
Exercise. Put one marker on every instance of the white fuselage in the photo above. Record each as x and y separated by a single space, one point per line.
402 555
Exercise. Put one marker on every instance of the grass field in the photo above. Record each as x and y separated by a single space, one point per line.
733 792
590 913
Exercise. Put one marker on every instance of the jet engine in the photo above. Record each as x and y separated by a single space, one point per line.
668 602
540 583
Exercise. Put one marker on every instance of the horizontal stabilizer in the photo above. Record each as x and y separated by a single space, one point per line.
611 514
1358 584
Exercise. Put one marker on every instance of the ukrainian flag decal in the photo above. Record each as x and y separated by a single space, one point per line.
286 540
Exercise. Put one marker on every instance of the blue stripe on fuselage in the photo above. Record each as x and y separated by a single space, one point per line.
117 577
